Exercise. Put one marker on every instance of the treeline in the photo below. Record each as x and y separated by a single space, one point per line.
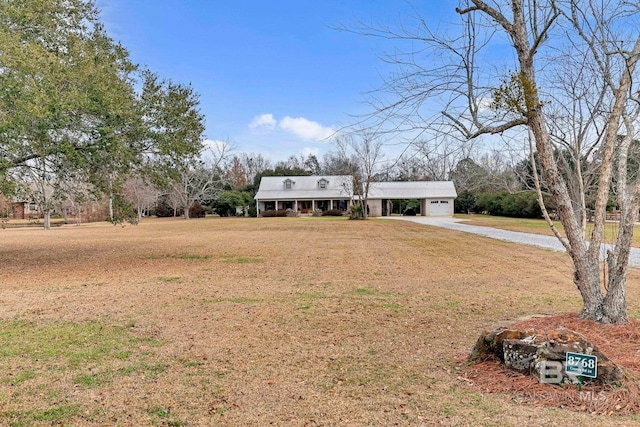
490 185
78 119
520 205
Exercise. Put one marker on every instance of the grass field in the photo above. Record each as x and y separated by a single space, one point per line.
540 226
274 321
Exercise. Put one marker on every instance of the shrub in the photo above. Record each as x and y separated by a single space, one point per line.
520 205
196 211
465 202
333 212
163 209
228 201
291 212
274 213
356 212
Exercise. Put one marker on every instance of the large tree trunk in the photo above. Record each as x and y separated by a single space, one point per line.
111 207
585 259
527 36
47 219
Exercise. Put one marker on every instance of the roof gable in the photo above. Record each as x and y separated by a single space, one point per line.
315 186
340 187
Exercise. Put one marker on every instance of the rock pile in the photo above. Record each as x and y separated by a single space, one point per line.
533 353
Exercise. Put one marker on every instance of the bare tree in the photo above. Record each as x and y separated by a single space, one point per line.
439 155
336 163
141 194
572 84
199 181
39 181
254 164
364 149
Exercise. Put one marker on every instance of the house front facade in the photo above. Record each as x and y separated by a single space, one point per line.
306 194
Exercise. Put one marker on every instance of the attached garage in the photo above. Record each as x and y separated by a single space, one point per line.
438 208
436 197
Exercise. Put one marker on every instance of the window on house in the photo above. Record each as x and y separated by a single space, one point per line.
322 183
434 202
287 184
446 202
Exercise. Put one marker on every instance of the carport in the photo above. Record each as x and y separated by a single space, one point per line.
436 197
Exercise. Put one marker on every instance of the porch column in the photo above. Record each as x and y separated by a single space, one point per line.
313 206
295 206
331 204
257 208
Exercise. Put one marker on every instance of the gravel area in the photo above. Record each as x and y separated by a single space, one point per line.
548 242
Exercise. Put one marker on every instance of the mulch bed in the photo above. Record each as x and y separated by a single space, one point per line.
621 343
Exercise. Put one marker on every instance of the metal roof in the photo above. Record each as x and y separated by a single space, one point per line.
305 187
339 187
412 190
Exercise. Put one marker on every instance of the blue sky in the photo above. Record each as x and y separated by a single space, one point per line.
275 77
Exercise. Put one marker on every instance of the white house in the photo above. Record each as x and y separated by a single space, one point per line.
305 194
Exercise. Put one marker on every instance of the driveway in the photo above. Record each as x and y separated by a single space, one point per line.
548 242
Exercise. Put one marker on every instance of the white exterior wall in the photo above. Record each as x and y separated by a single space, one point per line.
375 207
430 209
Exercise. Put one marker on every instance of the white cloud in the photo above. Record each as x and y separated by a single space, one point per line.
263 121
214 149
306 129
484 104
215 144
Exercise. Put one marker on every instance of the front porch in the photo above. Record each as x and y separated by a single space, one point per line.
303 207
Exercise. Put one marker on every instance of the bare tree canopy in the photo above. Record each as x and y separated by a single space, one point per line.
363 151
559 73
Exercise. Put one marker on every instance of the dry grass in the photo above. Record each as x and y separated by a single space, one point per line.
275 321
540 226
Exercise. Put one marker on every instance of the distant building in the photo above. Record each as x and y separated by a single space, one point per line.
89 211
15 209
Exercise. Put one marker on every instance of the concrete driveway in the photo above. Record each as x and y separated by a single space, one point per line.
548 242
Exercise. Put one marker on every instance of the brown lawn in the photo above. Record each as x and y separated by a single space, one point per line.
540 226
275 321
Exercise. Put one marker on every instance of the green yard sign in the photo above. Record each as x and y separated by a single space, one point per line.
582 364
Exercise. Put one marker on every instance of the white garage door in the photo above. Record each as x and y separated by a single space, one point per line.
439 208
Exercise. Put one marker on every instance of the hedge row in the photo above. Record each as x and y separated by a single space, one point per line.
520 205
290 212
274 213
333 212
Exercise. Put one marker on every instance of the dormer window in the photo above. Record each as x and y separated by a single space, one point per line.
323 183
288 184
